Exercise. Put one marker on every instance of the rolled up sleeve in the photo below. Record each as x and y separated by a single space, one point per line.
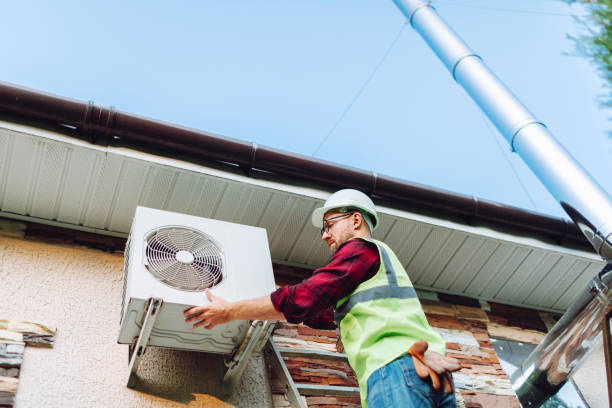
311 300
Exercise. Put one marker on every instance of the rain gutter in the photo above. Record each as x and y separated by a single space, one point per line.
110 127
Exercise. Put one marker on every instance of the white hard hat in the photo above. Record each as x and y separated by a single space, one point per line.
349 199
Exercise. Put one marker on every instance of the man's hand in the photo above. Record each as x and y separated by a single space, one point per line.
428 363
209 315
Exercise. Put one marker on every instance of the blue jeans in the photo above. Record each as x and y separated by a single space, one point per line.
398 385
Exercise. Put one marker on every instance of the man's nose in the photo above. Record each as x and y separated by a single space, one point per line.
325 235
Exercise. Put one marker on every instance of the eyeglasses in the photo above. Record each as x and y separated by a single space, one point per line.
326 225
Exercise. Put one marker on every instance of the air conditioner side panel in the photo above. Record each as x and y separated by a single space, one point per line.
248 274
249 264
171 330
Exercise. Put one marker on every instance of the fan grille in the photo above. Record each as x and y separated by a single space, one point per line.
184 258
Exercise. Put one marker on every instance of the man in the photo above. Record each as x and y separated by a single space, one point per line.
364 291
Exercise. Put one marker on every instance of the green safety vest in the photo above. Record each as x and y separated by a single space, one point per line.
381 319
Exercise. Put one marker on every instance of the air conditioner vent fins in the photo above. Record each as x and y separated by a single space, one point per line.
184 258
126 263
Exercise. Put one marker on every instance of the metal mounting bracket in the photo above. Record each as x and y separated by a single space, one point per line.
139 346
254 341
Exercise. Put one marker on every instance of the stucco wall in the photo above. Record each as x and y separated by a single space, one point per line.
79 291
591 379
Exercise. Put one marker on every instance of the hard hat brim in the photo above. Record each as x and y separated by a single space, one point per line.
318 213
317 216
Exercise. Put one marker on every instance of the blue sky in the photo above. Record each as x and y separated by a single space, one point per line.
282 73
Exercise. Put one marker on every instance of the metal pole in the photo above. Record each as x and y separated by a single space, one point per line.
571 340
607 341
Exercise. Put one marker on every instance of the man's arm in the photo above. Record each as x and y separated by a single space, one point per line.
324 319
353 263
220 311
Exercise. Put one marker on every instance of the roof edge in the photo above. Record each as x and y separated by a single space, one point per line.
109 127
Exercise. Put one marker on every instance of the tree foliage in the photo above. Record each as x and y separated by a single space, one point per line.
595 41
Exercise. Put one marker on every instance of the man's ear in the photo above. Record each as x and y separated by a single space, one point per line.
358 220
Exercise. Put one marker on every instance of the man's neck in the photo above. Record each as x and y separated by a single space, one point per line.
361 234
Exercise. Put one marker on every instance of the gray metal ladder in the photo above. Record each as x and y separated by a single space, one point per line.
258 339
274 355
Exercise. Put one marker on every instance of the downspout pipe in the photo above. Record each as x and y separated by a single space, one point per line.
585 201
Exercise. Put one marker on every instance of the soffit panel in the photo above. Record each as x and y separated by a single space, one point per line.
542 292
406 238
481 279
105 183
159 187
474 266
294 223
498 279
231 199
46 177
254 207
129 195
561 288
308 248
534 278
567 298
47 189
5 162
529 266
385 224
74 189
458 251
427 251
21 167
209 197
183 192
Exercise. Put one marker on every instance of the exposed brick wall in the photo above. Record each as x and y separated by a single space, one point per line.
467 327
14 336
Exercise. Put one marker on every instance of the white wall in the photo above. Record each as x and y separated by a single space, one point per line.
79 291
591 379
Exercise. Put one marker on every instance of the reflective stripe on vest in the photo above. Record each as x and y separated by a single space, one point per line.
391 290
381 319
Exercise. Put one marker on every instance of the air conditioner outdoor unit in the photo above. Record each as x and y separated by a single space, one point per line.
175 258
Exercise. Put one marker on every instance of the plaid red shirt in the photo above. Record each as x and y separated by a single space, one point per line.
311 301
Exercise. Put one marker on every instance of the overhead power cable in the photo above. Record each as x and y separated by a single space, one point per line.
503 152
361 89
521 11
